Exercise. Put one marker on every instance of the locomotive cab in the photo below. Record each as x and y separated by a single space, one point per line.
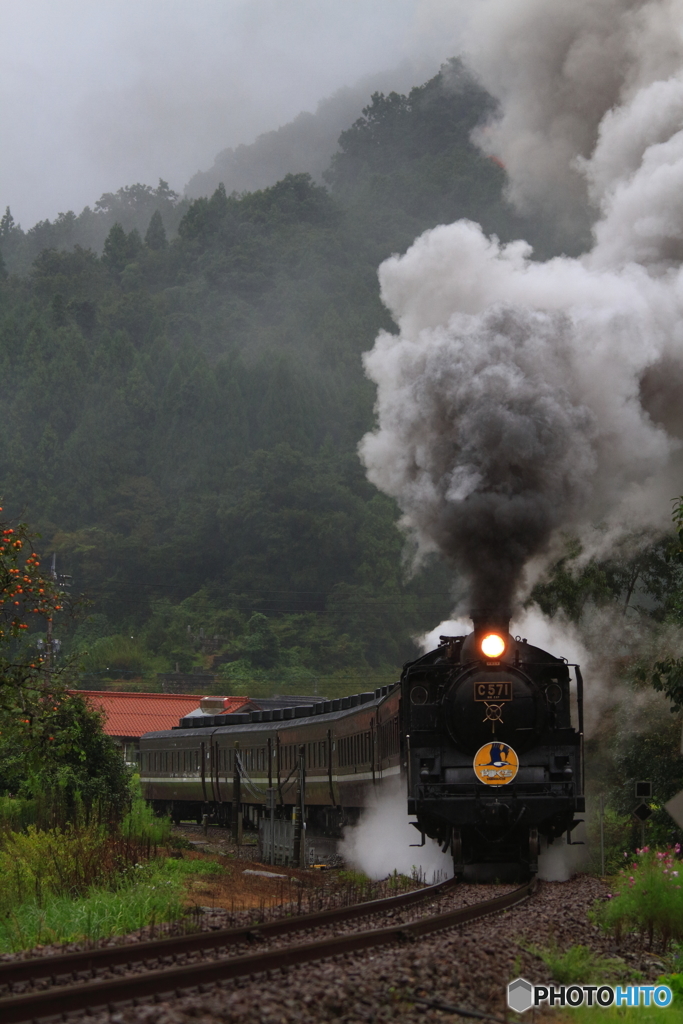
493 760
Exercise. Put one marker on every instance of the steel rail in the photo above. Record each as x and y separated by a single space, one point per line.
172 982
61 964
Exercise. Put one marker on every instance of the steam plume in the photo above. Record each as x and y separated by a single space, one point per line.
384 840
557 70
522 398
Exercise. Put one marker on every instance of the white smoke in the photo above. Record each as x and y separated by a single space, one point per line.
384 841
557 635
520 399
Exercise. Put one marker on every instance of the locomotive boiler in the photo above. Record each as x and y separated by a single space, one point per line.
480 730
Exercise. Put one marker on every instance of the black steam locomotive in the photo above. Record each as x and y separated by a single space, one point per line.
480 730
492 758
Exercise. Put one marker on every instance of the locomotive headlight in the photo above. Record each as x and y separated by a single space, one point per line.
493 645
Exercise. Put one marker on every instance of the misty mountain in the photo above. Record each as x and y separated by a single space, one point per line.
306 144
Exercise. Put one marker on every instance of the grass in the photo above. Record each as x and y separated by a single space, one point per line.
145 894
581 965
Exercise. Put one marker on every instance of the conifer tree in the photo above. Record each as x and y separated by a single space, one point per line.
155 238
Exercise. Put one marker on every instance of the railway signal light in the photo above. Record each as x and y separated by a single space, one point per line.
642 812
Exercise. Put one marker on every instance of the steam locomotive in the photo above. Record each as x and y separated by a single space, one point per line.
480 730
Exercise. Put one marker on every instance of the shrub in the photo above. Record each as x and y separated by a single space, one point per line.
35 864
40 862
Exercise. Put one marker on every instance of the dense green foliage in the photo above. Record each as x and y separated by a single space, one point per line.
180 416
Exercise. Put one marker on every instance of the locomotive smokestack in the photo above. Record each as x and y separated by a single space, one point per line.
487 619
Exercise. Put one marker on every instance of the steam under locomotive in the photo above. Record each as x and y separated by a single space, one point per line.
480 729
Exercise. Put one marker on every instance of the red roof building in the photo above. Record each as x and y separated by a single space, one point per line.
128 715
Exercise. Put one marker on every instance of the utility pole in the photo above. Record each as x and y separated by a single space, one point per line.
300 812
270 802
237 801
51 645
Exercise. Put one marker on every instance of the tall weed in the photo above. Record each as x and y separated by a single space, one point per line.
141 824
16 813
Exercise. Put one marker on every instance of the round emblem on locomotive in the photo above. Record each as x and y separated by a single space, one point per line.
495 764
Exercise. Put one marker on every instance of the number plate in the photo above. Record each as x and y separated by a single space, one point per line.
493 690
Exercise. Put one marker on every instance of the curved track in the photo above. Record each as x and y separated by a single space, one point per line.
176 980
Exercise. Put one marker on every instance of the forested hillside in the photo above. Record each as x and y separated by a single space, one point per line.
180 418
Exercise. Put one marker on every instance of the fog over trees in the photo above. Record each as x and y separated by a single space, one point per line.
183 395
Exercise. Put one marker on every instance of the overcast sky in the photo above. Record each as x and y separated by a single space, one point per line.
96 94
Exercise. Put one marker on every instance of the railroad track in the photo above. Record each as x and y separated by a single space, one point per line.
179 980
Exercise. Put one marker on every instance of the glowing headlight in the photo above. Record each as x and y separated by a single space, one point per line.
493 645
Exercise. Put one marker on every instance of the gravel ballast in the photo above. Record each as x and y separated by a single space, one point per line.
468 967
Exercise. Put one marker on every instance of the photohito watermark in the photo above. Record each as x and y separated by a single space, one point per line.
522 995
